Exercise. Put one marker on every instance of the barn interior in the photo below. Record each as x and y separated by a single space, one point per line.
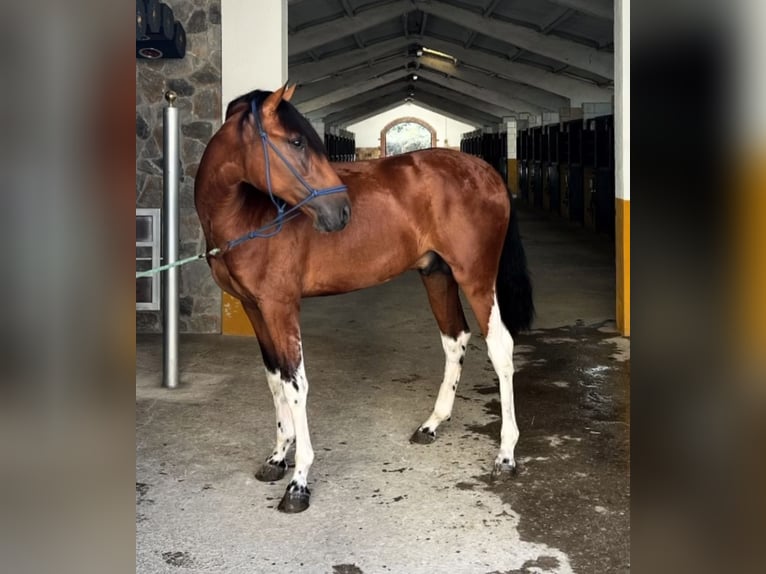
540 87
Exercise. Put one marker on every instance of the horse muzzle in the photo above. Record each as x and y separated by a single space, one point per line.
332 217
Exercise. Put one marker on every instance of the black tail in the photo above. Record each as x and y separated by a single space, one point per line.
513 285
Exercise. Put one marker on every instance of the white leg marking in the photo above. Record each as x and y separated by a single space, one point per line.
296 392
500 349
285 429
454 352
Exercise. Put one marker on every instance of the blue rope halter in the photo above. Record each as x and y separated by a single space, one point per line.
283 215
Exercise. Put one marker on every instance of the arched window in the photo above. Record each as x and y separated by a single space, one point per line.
406 134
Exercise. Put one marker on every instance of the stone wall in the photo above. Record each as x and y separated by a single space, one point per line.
197 80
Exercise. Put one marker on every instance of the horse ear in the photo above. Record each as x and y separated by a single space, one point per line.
289 92
271 103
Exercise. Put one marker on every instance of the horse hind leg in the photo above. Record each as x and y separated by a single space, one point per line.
445 303
500 350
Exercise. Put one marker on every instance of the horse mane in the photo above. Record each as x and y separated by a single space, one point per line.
289 117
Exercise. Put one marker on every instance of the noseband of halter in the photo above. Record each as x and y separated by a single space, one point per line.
312 192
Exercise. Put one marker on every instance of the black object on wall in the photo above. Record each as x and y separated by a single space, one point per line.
158 34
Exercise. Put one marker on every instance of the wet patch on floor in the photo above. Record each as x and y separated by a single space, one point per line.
411 378
537 566
141 490
178 559
573 486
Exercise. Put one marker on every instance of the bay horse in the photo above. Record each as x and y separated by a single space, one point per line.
355 225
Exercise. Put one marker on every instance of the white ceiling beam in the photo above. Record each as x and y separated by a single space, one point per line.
577 91
491 8
565 86
558 19
346 91
460 115
565 51
473 105
347 8
455 110
479 93
314 36
457 91
358 99
371 107
312 71
535 96
460 106
436 104
346 79
599 8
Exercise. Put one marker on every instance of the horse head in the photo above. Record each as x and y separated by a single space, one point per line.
289 161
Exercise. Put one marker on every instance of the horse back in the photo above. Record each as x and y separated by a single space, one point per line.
404 207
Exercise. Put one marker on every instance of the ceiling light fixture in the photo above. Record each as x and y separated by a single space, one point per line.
444 55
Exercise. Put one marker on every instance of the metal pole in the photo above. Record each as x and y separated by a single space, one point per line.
171 170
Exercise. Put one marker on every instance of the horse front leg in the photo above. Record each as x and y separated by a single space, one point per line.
296 387
275 466
286 373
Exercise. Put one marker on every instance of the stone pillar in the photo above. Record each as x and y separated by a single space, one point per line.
253 56
622 160
196 79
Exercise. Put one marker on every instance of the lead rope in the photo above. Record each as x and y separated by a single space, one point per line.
150 272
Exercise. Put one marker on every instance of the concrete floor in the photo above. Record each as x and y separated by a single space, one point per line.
379 503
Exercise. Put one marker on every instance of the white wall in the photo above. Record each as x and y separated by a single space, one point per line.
368 131
245 64
622 98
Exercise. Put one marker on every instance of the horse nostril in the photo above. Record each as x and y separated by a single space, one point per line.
346 214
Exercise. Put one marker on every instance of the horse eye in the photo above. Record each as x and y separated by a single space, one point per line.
297 142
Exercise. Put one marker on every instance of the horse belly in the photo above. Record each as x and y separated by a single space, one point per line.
357 266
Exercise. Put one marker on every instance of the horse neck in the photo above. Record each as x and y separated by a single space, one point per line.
230 199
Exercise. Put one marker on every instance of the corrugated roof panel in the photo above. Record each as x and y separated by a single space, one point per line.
448 30
588 28
336 47
494 46
305 14
384 31
532 13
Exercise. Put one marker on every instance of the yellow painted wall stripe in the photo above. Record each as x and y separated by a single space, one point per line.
234 321
622 249
750 226
513 176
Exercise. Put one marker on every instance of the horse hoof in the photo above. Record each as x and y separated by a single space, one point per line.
505 469
269 471
294 501
423 436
